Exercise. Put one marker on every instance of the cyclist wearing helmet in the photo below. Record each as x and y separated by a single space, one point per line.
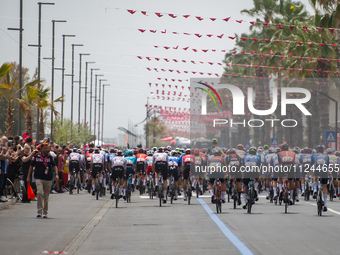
82 167
305 165
235 162
88 163
217 161
333 161
188 161
141 165
214 145
250 161
199 175
131 162
173 162
148 163
97 166
265 149
287 160
160 165
117 164
75 164
320 160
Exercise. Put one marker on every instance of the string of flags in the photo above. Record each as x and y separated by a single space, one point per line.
178 60
227 19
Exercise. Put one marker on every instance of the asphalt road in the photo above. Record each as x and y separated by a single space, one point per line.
79 224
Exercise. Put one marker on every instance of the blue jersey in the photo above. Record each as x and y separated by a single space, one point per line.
250 160
319 160
173 162
180 159
268 158
131 162
110 156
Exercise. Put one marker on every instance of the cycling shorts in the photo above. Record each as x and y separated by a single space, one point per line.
174 172
117 172
148 170
96 168
74 165
162 167
129 171
212 180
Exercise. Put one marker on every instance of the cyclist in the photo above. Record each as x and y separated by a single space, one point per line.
173 162
160 165
214 145
130 169
148 166
235 162
188 160
117 164
319 161
251 161
297 171
265 149
82 168
141 160
287 160
199 175
75 163
217 161
88 163
97 166
305 165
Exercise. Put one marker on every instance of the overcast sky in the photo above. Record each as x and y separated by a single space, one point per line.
110 34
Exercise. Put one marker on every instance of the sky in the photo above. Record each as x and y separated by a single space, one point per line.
110 35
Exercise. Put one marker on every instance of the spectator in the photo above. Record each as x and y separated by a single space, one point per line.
26 162
44 167
65 169
60 164
4 159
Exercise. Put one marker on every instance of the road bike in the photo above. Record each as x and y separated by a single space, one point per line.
250 195
160 189
218 195
129 189
189 189
172 189
20 188
150 185
9 189
319 197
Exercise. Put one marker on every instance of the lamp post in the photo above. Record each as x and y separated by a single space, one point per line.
95 100
100 86
336 116
63 76
39 58
104 85
73 45
52 80
91 97
85 101
79 101
20 29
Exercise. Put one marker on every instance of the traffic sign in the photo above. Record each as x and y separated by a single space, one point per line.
330 136
247 145
274 142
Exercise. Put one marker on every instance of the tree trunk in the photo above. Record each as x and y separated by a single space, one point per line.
29 123
41 125
9 120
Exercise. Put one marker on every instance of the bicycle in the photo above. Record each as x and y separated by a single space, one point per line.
218 195
151 186
286 194
129 189
234 193
72 178
331 189
89 183
197 188
189 190
172 189
20 188
117 195
9 189
250 195
140 184
271 192
97 186
160 190
319 197
307 188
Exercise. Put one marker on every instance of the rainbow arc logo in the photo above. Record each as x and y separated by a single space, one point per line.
209 93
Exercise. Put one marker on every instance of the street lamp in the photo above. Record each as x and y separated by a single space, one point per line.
92 69
73 45
20 63
63 76
80 56
85 106
104 85
95 100
336 116
100 83
52 82
39 58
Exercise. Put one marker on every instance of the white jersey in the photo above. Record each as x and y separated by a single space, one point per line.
97 158
74 157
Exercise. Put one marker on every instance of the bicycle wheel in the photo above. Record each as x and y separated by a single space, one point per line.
20 190
271 195
71 184
331 192
286 202
319 203
89 186
97 189
160 190
117 195
78 186
250 202
235 200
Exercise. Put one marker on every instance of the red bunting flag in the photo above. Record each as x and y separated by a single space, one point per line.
209 35
255 40
205 51
227 19
243 39
322 44
310 44
131 11
319 28
253 53
305 29
198 35
186 16
266 40
153 31
239 21
172 15
271 53
290 54
220 36
143 12
142 30
310 59
194 50
158 14
232 38
213 19
163 32
291 28
279 26
199 18
281 57
175 48
185 48
234 52
266 23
